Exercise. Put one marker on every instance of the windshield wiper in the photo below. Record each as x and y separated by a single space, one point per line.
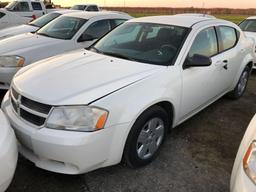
31 24
94 49
118 55
44 34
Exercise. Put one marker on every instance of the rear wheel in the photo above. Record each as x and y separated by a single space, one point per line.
146 137
241 85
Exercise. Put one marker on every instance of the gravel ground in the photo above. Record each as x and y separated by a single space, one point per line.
197 156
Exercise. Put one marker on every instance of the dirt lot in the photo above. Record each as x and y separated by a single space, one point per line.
197 156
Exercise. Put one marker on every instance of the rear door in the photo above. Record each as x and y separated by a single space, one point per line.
231 55
37 9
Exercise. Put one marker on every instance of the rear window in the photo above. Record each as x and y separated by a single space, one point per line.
79 7
2 15
36 6
248 25
42 21
92 8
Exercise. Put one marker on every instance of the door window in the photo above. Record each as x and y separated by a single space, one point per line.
21 6
205 43
92 8
2 15
97 29
116 22
36 6
228 37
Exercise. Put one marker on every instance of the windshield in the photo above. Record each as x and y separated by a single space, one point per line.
42 21
79 7
143 42
11 5
62 28
248 25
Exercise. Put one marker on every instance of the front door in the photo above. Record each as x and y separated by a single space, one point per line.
201 85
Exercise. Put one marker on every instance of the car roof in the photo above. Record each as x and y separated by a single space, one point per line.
65 11
86 4
252 17
184 21
91 14
196 15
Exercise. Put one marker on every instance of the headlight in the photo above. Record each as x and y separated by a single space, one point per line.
11 61
249 162
77 118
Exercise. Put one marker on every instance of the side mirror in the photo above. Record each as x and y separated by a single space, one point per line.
197 61
86 37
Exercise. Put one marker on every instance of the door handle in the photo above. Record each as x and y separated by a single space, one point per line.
223 64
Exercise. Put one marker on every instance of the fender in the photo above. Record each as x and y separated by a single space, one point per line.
247 59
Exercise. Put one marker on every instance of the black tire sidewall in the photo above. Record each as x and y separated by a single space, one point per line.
130 152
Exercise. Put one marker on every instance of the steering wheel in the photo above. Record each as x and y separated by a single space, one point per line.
168 47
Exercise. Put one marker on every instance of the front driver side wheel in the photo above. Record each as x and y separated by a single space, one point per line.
146 137
241 85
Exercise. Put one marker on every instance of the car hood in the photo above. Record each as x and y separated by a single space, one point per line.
25 42
16 30
79 77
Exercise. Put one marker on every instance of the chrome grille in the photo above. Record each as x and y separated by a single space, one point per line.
29 110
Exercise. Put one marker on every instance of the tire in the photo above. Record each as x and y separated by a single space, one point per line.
146 137
241 85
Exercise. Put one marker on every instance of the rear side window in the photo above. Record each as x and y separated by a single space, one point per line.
116 22
228 37
92 8
205 43
1 15
36 6
21 6
98 29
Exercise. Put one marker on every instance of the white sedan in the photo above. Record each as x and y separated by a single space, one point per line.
91 108
32 26
66 33
243 177
249 27
9 19
8 153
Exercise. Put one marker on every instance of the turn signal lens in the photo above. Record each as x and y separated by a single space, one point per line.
249 162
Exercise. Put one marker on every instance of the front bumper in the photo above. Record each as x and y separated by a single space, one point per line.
67 152
8 154
242 183
6 75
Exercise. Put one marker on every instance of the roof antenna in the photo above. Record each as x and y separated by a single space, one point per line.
203 6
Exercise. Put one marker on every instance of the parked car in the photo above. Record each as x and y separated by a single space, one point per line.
249 28
27 8
91 108
86 7
8 19
33 26
66 33
8 153
244 171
